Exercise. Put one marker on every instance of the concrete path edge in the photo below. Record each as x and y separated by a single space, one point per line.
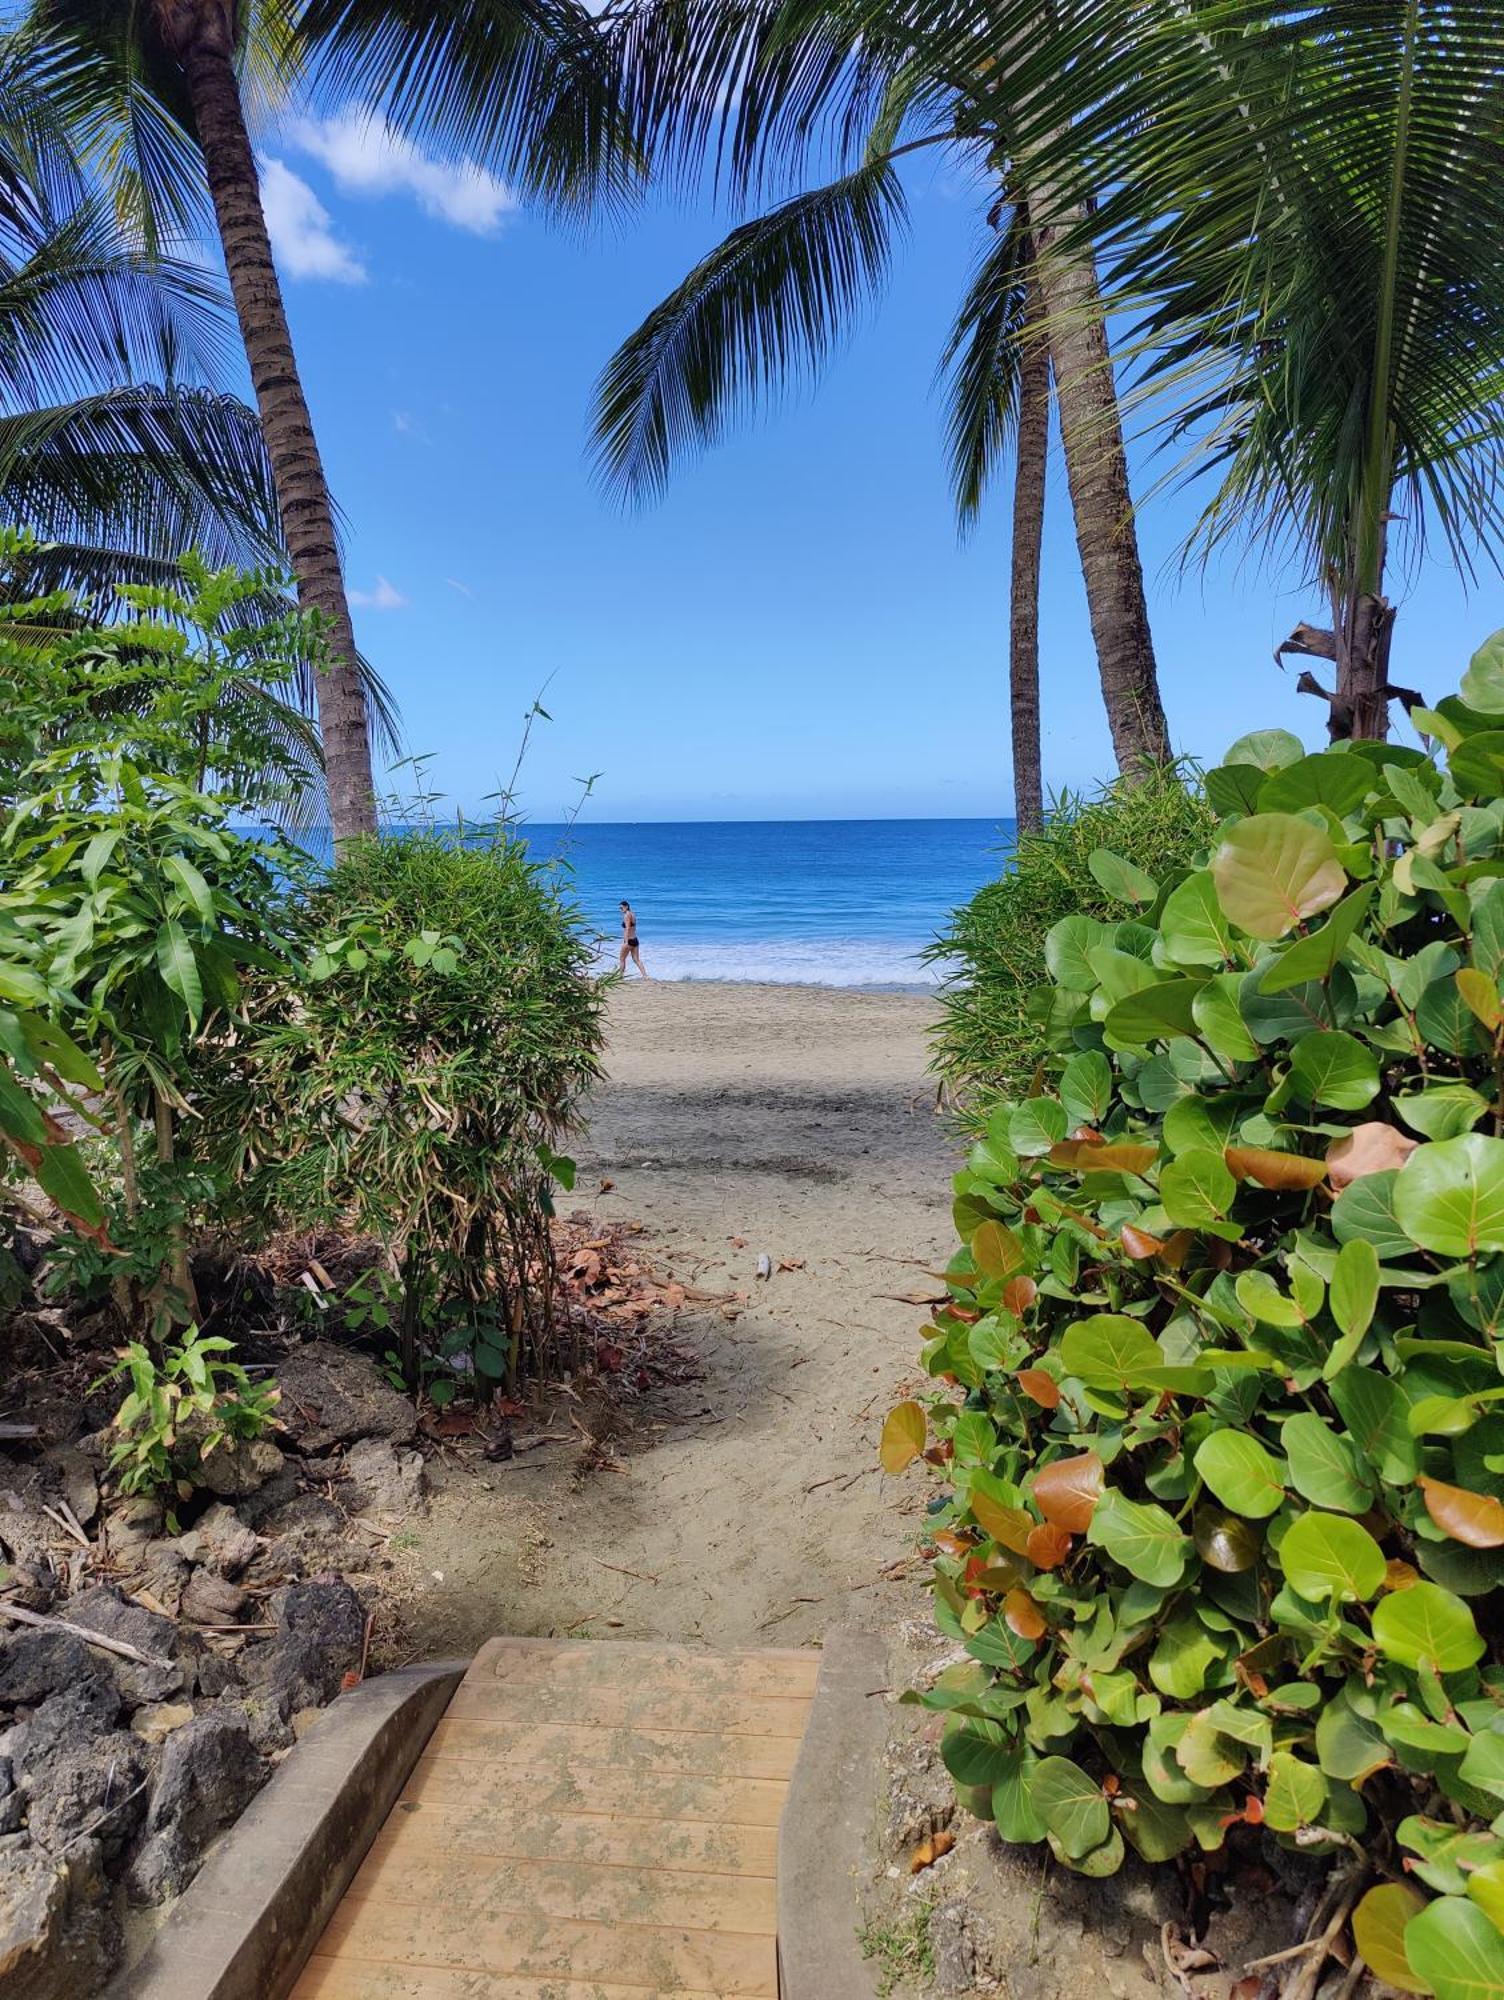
827 1818
247 1922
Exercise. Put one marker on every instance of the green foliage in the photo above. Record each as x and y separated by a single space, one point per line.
988 1039
1225 1431
182 1409
422 1076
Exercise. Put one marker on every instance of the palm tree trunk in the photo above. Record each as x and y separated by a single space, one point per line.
1096 463
1031 447
201 33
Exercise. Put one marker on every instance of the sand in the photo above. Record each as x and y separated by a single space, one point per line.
746 1508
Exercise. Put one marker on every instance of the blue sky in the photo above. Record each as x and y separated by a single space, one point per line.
793 631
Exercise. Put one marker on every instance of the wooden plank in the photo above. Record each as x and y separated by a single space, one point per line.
607 1706
619 1662
366 1979
503 1827
623 1750
575 1788
663 1960
465 1887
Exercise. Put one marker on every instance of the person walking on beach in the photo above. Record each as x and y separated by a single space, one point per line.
629 941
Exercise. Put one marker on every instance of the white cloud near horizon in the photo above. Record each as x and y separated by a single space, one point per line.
301 228
385 597
368 156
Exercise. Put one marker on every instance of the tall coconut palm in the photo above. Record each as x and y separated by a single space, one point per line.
1303 207
157 86
767 89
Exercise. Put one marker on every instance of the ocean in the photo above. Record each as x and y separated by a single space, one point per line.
820 902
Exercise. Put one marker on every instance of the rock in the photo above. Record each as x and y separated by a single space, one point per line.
210 1770
164 1574
104 1609
304 1720
12 1812
32 1585
239 1466
96 1787
953 1948
129 1529
321 1639
69 1720
217 1672
331 1394
210 1600
385 1480
70 1474
309 1516
58 1936
254 1508
221 1539
26 1533
158 1719
35 1664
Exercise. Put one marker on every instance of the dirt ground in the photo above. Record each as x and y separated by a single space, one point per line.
746 1507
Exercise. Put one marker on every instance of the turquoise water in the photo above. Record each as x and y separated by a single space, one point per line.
824 902
829 902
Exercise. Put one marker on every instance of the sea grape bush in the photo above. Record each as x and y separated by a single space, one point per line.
1224 1428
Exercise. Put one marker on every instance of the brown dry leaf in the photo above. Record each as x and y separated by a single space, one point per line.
673 1295
1118 1156
1039 1387
1048 1545
1274 1170
951 1544
1371 1148
605 1187
1019 1294
1023 1616
1399 1575
737 1242
1067 1491
1474 1518
791 1263
1139 1244
903 1436
928 1852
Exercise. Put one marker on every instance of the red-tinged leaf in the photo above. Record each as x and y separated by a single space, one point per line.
1019 1294
1474 1518
1065 1153
1039 1387
1048 1545
929 1851
1139 1244
1118 1156
1009 1526
1067 1491
1371 1148
997 1250
1399 1575
1177 1248
950 1544
1253 1809
1274 1170
1023 1616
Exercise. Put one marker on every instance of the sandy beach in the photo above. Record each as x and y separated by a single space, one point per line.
795 1123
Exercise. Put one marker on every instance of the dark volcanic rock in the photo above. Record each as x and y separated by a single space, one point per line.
58 1936
103 1609
387 1480
321 1639
239 1467
329 1394
36 1664
97 1785
210 1770
66 1721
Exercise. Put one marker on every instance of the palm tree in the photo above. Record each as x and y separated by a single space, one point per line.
1304 210
765 87
156 87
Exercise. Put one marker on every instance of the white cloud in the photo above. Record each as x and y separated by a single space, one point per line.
405 424
463 588
303 239
385 597
367 156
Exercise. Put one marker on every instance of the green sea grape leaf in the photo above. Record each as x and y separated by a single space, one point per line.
1261 1298
1233 788
1364 1212
1444 1020
1209 1756
1477 764
1483 1764
1379 1932
1036 1125
1445 1111
1327 1555
1217 1014
1295 1794
1086 1089
1427 1626
1191 924
1195 1188
1485 1887
1142 1538
1273 871
1326 1468
978 1752
1349 1746
1313 957
1449 1196
1012 1808
1267 749
1199 1122
1066 946
1180 1664
1355 1289
1335 1068
1154 1013
1121 879
1069 1805
1244 1476
1456 1951
1326 778
1108 1350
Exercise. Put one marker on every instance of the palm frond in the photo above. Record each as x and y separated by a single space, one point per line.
526 88
770 301
980 368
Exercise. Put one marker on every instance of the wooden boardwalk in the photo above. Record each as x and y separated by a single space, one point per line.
588 1822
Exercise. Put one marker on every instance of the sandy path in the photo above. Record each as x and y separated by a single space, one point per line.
750 1504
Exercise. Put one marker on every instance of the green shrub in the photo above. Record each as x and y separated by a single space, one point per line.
182 1409
993 954
421 1080
1225 1513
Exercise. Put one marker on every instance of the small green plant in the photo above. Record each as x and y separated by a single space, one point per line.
180 1410
902 1949
987 1038
1223 1430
